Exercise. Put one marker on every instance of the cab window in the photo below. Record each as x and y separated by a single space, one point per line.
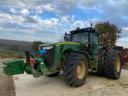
93 39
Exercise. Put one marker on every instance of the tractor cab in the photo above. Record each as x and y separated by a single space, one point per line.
86 36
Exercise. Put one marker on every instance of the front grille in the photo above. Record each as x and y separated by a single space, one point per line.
49 57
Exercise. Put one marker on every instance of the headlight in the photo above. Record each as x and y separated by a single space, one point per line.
48 47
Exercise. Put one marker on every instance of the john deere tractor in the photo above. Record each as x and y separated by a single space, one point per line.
74 59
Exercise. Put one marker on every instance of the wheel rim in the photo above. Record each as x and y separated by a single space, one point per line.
118 63
81 69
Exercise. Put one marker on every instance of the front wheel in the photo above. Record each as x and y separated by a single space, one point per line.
75 69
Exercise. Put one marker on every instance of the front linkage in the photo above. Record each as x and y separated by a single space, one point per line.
35 66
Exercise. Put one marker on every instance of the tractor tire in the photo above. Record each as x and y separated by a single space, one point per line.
101 54
75 69
119 48
112 65
53 75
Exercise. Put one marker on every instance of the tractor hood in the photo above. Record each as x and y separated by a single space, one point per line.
68 43
60 43
49 44
44 47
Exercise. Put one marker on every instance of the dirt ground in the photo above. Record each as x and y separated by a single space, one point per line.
7 87
26 85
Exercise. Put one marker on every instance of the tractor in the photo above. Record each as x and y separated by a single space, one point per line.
74 59
123 54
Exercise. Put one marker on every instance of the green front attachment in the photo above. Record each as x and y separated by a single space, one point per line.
14 67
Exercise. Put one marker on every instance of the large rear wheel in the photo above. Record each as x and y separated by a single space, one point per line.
75 69
112 65
101 55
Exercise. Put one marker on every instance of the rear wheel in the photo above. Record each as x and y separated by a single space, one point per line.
112 65
75 69
101 55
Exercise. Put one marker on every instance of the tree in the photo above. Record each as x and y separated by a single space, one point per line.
108 32
35 44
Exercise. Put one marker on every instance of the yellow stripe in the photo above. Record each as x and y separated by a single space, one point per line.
68 43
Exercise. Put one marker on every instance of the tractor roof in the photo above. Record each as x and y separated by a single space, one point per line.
92 30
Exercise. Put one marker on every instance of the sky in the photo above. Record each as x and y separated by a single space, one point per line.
48 20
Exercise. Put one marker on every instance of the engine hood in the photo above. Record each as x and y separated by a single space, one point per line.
68 43
61 43
49 44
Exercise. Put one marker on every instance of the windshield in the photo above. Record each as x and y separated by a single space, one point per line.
80 37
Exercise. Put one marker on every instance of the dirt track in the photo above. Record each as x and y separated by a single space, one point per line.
26 85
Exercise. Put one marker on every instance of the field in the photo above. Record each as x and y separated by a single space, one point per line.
26 85
11 54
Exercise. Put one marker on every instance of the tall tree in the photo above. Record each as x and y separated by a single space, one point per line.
108 32
35 44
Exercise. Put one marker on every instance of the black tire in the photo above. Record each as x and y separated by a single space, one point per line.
111 69
70 68
53 75
101 55
119 48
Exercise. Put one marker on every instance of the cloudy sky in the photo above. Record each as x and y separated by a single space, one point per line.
48 20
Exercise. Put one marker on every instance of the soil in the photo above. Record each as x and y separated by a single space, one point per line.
27 85
7 87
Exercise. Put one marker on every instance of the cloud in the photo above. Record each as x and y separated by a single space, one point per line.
89 3
114 10
48 17
44 22
29 34
124 32
13 10
8 18
20 3
49 7
34 26
29 20
55 20
24 12
123 41
64 6
65 18
78 23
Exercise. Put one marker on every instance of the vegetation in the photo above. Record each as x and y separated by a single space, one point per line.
13 48
110 32
14 45
35 45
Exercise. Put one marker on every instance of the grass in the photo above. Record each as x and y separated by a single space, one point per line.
11 54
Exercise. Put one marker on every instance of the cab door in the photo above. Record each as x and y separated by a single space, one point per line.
94 46
93 51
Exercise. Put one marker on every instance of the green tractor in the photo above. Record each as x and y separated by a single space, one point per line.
74 59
